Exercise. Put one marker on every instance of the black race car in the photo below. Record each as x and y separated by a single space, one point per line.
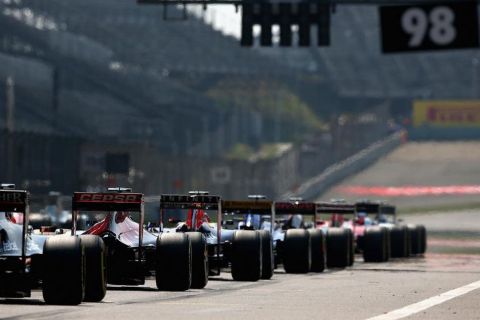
132 253
213 247
253 214
56 263
299 240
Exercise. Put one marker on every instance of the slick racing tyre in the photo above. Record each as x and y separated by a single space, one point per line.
317 250
375 245
246 255
267 254
63 271
415 239
351 243
423 238
399 246
95 267
388 252
418 239
199 260
173 267
297 252
338 248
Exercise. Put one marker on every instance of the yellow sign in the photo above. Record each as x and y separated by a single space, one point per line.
455 113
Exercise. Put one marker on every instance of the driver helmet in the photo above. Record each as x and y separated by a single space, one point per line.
296 221
361 218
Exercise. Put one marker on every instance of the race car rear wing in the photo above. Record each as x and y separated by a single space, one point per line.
107 201
368 207
257 206
13 200
191 201
17 201
337 208
247 206
115 200
180 201
377 209
295 207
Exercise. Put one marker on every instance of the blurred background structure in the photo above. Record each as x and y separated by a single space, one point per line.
100 93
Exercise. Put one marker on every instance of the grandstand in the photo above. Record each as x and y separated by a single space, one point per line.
117 71
141 76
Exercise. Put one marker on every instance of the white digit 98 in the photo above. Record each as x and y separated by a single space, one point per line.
442 32
415 22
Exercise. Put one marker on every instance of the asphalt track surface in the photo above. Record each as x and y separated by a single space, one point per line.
361 292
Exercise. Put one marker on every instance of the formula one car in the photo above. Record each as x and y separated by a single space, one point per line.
133 253
254 214
405 239
56 263
300 247
371 240
340 236
239 249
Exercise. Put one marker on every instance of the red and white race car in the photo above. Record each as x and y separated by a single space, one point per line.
405 239
372 240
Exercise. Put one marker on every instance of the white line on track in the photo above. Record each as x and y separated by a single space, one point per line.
427 303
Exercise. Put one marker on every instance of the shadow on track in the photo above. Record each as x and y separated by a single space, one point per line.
221 279
22 301
131 288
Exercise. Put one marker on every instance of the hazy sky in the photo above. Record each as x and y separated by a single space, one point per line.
222 17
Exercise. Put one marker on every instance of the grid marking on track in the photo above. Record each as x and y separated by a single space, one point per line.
427 303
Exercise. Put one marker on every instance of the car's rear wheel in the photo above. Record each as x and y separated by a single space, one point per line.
338 248
95 266
351 243
173 270
317 250
415 239
63 271
399 242
375 245
267 254
246 255
387 237
199 260
297 254
423 238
